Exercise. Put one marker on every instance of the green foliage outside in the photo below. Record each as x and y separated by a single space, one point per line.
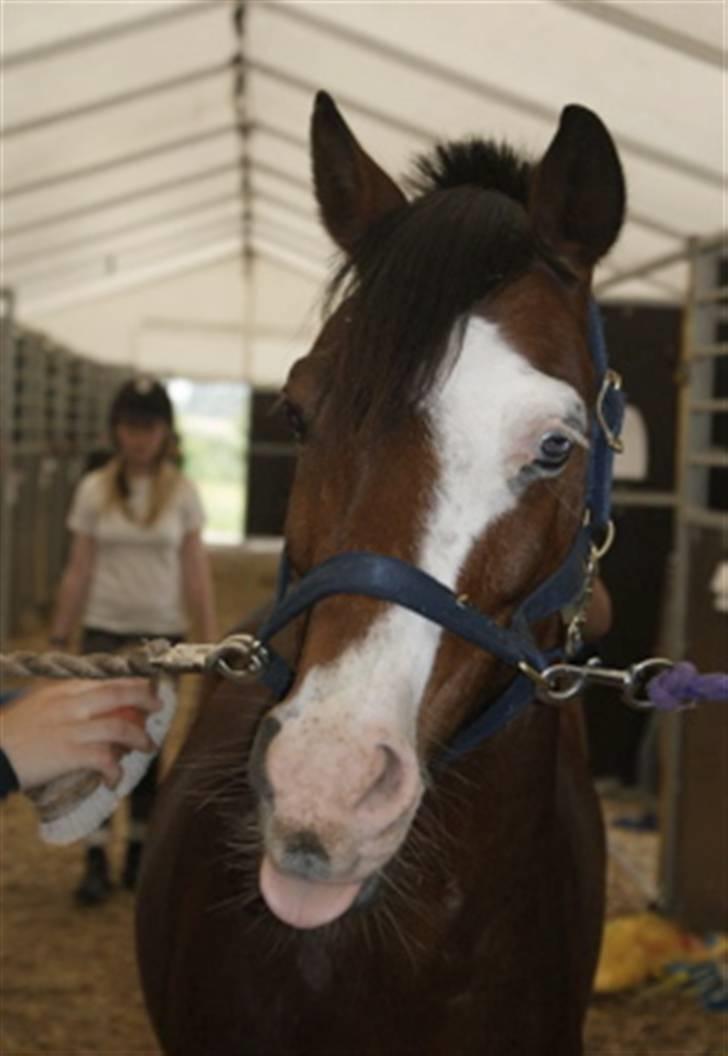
212 423
213 458
223 504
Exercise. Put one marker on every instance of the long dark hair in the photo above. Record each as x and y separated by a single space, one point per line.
142 400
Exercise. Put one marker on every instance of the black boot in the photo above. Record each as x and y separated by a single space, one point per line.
95 886
132 862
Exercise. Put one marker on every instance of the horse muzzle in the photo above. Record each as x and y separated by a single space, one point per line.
335 806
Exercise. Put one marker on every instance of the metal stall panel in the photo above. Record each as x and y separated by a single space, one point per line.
54 414
27 448
7 477
694 867
699 814
59 450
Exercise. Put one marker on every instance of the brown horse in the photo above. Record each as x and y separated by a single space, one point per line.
317 882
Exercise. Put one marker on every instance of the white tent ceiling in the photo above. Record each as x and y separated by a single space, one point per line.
123 164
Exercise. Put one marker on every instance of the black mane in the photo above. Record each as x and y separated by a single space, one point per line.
418 271
474 162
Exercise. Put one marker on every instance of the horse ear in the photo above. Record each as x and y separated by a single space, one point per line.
351 189
577 197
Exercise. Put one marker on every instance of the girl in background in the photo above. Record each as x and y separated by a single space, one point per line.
137 568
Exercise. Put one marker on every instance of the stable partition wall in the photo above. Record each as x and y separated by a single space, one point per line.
6 403
695 744
54 412
696 789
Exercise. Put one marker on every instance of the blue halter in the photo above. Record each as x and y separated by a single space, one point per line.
389 579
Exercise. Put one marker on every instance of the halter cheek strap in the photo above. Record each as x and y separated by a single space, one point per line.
606 428
389 579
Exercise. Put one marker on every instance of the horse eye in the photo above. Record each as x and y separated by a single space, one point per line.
295 420
554 450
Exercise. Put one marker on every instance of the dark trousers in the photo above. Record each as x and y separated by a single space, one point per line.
96 640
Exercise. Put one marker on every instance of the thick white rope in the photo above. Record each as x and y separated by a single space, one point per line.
235 657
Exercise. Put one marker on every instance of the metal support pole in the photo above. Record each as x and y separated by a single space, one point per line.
7 386
694 459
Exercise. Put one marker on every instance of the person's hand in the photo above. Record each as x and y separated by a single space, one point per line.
76 725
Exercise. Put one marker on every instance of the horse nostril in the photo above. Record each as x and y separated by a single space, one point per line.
306 855
267 730
387 782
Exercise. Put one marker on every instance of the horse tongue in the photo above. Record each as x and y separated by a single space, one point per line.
304 903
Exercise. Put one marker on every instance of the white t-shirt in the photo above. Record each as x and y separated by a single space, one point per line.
136 583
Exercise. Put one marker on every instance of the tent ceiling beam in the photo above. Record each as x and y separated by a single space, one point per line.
123 199
266 169
122 229
240 106
283 136
283 203
304 84
640 271
228 249
493 92
112 259
100 36
110 102
657 226
675 292
636 25
289 258
102 237
181 326
118 161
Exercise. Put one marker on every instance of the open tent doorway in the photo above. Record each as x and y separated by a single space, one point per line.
212 421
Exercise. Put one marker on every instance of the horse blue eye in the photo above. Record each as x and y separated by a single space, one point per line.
554 450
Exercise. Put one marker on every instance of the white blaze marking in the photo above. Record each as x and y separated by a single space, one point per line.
481 419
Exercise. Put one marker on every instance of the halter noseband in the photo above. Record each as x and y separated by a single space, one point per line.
390 579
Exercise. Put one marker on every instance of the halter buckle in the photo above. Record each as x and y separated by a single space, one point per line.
612 382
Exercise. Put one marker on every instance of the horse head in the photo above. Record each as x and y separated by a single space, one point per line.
443 417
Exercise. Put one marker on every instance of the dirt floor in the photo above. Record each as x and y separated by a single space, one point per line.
68 982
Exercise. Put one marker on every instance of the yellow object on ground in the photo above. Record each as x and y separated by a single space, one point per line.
637 948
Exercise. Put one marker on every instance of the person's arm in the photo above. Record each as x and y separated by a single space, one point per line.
198 589
73 589
76 725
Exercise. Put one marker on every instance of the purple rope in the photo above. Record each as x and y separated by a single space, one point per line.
680 686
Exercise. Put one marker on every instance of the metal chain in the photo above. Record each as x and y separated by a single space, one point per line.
561 682
576 617
237 656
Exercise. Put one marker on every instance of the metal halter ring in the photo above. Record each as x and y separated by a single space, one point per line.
640 675
598 552
556 683
250 654
612 380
